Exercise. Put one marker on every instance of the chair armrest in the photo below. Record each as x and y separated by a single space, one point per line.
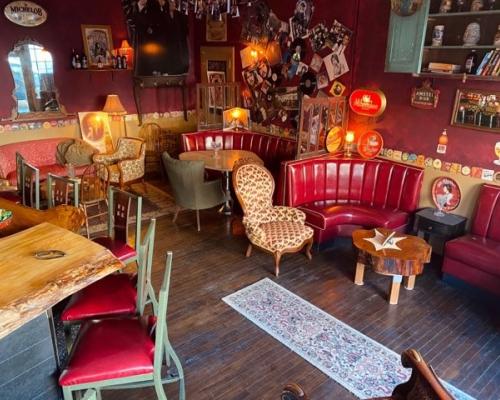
209 194
253 229
131 169
106 159
291 214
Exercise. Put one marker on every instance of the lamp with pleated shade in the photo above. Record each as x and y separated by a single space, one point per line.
113 105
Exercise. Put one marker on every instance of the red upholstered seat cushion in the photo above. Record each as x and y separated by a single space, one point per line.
44 172
121 250
476 251
327 214
111 296
110 349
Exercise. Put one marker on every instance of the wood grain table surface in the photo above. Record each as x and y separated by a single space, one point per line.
29 286
225 158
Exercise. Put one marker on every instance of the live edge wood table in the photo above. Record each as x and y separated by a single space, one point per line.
407 262
29 288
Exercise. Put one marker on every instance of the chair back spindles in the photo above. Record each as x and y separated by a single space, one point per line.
19 173
60 190
145 291
31 185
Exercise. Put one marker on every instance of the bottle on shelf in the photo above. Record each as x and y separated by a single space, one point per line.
73 59
99 62
114 62
119 62
470 64
477 5
124 62
85 63
78 62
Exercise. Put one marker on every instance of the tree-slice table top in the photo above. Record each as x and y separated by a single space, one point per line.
410 260
225 158
30 286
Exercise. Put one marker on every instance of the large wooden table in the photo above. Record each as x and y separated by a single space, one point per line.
407 262
222 162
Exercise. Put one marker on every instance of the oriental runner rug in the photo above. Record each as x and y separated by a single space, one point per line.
361 365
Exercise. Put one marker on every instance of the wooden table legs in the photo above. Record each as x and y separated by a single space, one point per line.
360 272
409 282
394 290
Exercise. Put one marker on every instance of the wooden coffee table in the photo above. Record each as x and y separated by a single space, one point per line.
407 262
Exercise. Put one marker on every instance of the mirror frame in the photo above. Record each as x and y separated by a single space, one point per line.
35 115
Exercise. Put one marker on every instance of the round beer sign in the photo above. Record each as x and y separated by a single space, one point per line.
25 13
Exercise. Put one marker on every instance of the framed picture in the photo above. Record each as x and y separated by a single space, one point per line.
98 44
94 126
477 109
216 29
216 94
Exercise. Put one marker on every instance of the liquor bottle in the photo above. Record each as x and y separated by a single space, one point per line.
124 62
114 62
73 59
471 63
78 63
119 62
85 63
99 62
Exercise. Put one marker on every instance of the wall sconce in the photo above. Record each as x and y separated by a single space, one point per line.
114 107
349 139
236 119
127 51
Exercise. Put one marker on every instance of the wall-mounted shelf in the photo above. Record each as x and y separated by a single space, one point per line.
486 47
464 14
462 77
101 70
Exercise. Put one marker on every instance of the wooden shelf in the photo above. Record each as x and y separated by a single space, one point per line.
462 76
465 14
101 70
486 47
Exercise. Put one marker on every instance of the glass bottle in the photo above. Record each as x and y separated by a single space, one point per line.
496 41
78 63
85 63
471 63
73 59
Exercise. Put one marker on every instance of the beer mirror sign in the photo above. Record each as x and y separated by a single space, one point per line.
370 103
25 13
425 97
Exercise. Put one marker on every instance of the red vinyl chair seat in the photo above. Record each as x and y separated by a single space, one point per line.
328 214
110 349
475 250
120 250
113 295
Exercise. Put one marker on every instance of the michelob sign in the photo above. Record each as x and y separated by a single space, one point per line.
25 13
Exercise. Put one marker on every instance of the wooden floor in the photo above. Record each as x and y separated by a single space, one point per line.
225 356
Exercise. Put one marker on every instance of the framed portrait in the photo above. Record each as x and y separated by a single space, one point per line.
336 65
94 126
97 44
477 109
216 29
216 94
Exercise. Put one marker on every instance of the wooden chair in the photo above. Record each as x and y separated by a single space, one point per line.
151 134
94 184
117 294
423 384
90 395
124 353
30 178
276 230
117 240
60 190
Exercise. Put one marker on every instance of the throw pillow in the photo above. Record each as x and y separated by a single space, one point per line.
80 153
62 147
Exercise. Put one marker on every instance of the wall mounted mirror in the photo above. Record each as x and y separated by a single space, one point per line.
35 94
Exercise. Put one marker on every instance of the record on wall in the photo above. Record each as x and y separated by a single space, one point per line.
307 83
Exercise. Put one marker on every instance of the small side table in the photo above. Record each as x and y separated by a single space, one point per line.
430 226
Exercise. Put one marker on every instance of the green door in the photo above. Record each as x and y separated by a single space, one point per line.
406 40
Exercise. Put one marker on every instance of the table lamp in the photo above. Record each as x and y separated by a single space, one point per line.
349 138
114 106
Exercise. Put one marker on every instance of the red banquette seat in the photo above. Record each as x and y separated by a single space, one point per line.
340 195
475 258
271 149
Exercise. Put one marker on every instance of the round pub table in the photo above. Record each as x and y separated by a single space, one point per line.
407 262
223 161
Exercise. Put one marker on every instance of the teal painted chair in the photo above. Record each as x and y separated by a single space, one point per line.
117 240
30 185
117 294
90 395
61 190
125 353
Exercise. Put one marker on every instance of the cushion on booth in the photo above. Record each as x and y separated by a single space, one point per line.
120 250
110 349
111 296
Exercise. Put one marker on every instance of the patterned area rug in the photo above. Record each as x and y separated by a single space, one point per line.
156 202
364 367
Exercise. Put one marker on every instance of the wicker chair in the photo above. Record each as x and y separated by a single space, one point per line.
277 230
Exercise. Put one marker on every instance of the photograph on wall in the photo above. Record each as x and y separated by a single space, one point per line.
302 68
316 62
98 44
288 98
339 37
301 18
95 129
336 65
216 94
337 89
255 29
322 80
318 37
216 29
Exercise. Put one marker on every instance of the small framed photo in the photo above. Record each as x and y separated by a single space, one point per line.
337 89
98 44
316 62
336 65
322 80
216 29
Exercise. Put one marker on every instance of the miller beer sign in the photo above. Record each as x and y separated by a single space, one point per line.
370 103
25 13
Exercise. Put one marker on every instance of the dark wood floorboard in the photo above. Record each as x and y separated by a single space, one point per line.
227 357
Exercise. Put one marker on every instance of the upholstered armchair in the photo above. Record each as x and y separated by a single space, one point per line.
126 164
191 191
275 229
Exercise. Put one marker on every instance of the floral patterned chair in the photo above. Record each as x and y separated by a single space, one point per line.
277 230
126 164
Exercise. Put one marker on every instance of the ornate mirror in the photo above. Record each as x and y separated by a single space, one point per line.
34 92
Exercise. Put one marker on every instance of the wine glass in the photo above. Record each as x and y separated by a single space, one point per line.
216 146
497 152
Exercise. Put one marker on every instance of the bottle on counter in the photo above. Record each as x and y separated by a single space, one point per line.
114 62
73 59
471 63
85 62
119 62
78 62
99 62
124 62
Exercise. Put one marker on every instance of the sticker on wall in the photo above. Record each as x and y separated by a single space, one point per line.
497 153
455 168
497 177
421 160
466 171
337 89
405 156
437 163
424 97
25 13
370 103
446 194
487 174
370 144
476 172
397 154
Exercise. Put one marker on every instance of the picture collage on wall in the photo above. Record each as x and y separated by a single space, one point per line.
286 60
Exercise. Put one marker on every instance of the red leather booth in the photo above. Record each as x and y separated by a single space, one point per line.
340 195
475 258
271 149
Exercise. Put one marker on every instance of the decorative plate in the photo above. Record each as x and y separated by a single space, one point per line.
370 144
446 194
334 139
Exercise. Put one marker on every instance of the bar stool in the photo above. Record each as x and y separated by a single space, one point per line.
125 353
117 294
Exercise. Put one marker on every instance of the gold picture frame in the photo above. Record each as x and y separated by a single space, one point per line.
97 44
477 109
216 30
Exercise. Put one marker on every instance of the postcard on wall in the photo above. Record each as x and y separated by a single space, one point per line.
336 65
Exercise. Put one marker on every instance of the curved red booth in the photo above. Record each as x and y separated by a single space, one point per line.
271 149
340 195
475 258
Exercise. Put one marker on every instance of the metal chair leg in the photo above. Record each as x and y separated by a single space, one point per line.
198 219
176 214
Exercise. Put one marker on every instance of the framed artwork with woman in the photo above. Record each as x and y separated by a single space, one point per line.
98 44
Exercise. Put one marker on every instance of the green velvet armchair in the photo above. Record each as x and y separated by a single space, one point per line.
191 191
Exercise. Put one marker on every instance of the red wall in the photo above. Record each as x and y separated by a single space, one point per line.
82 91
